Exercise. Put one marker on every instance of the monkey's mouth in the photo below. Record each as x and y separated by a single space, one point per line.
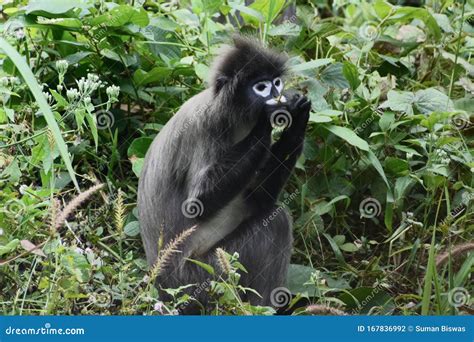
276 100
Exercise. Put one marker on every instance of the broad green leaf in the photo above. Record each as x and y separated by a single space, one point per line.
349 136
139 147
431 100
333 76
137 166
132 228
396 166
349 247
268 10
351 74
77 265
55 6
400 101
382 8
141 77
406 14
314 64
122 15
285 29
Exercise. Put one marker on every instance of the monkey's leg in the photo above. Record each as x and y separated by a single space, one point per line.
264 245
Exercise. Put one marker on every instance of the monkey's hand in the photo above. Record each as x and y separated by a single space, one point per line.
291 140
299 108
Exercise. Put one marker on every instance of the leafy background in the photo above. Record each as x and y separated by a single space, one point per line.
380 197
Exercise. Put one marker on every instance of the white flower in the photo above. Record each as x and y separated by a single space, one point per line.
62 66
20 34
113 93
48 97
72 94
23 188
1 231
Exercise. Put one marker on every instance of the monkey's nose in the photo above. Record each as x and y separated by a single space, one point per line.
276 100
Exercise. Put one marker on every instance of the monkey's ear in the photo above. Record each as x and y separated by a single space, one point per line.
220 82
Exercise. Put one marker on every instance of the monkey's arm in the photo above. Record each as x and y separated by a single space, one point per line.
219 183
284 154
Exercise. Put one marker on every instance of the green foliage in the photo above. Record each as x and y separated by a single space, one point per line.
384 185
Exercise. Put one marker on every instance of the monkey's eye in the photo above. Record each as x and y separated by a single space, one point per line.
263 88
278 83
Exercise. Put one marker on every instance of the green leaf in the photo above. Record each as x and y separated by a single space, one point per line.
139 147
382 8
396 166
333 76
351 74
156 74
349 247
285 29
35 89
122 15
267 11
378 167
431 100
132 228
76 264
349 136
54 6
208 268
335 249
298 277
314 64
315 117
9 247
363 299
406 13
137 166
400 101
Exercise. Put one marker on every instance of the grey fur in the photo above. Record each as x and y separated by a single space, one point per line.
216 150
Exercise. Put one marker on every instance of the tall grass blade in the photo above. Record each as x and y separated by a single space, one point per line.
35 89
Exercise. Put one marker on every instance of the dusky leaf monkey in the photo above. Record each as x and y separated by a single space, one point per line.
214 166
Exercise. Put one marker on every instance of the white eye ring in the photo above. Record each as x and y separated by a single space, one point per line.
278 83
262 88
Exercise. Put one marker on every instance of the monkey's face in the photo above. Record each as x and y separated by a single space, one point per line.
267 91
